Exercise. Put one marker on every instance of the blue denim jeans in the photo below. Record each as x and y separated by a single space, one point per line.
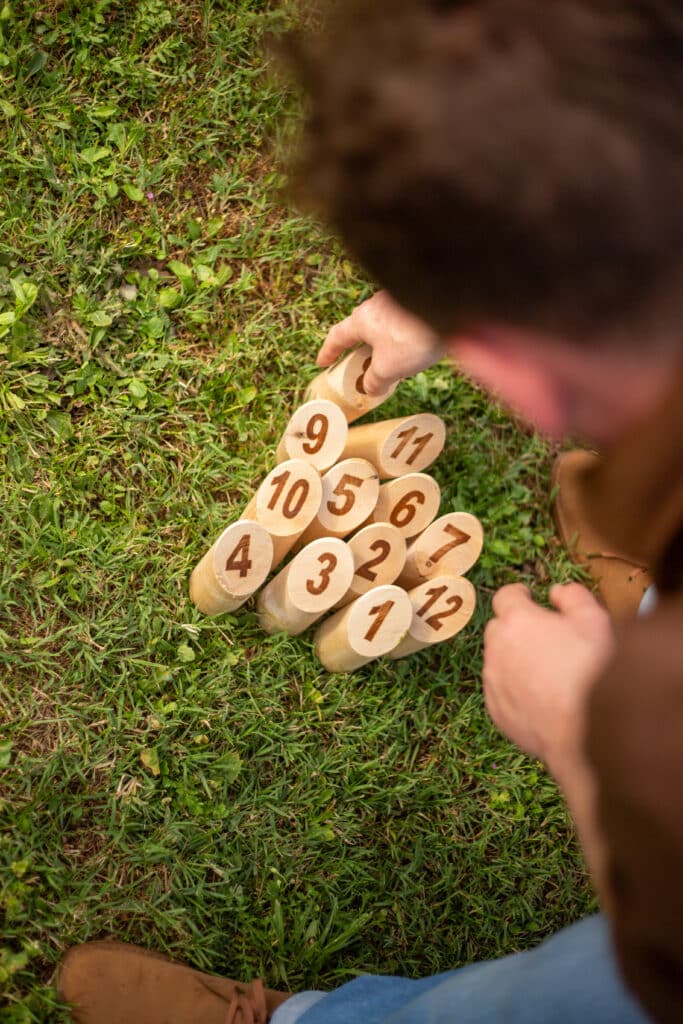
571 978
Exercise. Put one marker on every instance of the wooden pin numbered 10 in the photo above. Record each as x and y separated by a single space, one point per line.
452 544
285 503
316 433
308 587
371 626
343 385
232 569
404 445
441 608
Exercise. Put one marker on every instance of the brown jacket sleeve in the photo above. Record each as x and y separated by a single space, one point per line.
635 744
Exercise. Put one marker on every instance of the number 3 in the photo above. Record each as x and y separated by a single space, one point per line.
319 588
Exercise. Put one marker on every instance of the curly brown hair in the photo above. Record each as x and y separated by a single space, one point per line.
516 161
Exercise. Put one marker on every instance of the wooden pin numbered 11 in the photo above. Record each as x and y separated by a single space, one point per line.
343 385
452 544
285 503
308 587
232 569
371 626
316 433
404 445
441 608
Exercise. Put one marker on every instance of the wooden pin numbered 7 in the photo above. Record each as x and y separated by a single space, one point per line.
451 545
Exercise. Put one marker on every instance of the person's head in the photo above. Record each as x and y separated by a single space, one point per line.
511 171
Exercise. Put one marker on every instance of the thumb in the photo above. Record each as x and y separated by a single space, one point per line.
375 383
573 598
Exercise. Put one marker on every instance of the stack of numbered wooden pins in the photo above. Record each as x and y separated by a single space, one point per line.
372 553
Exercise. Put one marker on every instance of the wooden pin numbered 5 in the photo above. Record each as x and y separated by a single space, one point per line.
379 554
343 385
350 491
408 503
441 608
285 503
308 587
316 433
452 544
371 626
232 569
404 445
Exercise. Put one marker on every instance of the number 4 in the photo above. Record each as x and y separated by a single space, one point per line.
238 560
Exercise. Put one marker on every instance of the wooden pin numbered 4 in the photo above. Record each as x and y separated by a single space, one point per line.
286 503
232 569
371 626
308 587
396 447
452 544
343 385
316 433
441 608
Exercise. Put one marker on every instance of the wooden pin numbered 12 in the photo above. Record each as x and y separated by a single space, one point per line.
404 445
408 503
350 491
452 544
343 385
308 587
441 608
371 626
379 554
232 569
286 503
316 433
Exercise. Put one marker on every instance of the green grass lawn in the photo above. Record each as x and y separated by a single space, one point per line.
184 783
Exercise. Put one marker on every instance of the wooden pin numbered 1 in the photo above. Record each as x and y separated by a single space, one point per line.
452 544
232 569
316 433
350 491
343 385
404 445
408 503
308 587
441 608
379 554
285 503
371 626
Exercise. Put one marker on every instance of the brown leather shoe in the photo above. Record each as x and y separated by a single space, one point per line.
621 582
113 983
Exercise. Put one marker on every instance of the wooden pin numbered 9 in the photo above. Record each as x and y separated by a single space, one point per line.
316 433
379 554
371 626
232 569
343 385
286 503
452 544
404 445
308 587
408 503
441 608
350 491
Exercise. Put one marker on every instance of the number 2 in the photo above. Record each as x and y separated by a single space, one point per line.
365 570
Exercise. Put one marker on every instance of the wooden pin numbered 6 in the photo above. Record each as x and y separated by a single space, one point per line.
408 503
379 554
232 569
441 608
371 626
404 445
308 587
343 385
452 544
350 491
285 503
316 433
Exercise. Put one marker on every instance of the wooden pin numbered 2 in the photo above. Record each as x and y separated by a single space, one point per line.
379 554
371 626
232 569
441 608
343 385
308 587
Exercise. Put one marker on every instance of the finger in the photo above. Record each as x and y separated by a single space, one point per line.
375 383
511 596
340 337
572 597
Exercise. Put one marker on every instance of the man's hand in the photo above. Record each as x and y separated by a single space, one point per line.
401 344
540 664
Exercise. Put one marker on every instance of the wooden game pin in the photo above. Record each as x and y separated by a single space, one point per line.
285 503
451 545
371 626
409 503
306 588
232 569
404 445
316 433
343 385
350 492
379 553
441 608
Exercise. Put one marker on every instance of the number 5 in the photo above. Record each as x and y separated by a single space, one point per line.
343 490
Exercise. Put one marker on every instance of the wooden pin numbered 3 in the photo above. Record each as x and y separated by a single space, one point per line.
308 587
